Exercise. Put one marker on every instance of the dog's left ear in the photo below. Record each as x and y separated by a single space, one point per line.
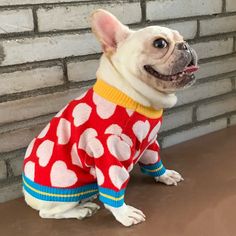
108 29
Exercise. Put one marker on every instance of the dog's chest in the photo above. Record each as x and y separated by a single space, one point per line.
103 125
87 130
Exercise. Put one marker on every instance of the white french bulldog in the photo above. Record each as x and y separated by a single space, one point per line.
148 66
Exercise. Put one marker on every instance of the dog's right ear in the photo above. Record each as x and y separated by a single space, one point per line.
108 29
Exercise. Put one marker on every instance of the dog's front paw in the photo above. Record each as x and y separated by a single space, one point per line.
127 215
170 177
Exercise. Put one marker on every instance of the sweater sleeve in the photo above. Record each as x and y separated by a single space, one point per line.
111 170
150 162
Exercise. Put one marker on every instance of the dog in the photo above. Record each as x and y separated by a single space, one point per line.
91 145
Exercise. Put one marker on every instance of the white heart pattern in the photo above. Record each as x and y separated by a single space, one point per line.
75 156
100 176
61 111
63 131
127 139
136 156
44 131
118 175
81 96
154 132
104 108
118 148
90 144
92 172
113 129
30 148
44 152
81 114
129 112
130 167
61 176
149 157
116 129
141 129
29 170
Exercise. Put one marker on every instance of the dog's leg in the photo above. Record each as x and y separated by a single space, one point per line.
170 177
59 210
151 164
70 210
126 215
112 179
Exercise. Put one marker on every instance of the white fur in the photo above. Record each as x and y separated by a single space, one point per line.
141 93
118 69
126 215
170 177
60 210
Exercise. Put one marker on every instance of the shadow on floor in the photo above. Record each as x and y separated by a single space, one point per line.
203 205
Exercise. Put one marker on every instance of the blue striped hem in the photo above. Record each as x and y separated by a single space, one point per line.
59 194
154 170
111 197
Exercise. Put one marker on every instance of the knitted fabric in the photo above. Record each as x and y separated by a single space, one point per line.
90 147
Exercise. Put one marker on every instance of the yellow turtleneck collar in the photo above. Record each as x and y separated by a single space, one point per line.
116 96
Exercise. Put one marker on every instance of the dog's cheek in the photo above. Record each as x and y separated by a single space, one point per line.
156 83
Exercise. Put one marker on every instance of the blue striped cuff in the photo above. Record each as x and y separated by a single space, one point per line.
59 194
154 170
111 197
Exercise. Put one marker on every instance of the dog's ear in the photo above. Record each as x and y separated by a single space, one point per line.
108 29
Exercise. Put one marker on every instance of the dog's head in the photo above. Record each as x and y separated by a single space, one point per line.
156 55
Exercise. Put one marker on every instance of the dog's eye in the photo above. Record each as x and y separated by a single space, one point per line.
160 43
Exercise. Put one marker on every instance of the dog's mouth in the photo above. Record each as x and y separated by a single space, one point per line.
186 74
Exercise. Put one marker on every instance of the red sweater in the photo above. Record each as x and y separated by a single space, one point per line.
90 147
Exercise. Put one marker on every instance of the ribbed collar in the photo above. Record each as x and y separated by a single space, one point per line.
116 96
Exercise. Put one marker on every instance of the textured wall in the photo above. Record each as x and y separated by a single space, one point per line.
48 56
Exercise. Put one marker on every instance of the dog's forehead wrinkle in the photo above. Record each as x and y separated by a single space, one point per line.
157 30
152 31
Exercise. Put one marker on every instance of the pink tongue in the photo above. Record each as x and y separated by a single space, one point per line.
191 69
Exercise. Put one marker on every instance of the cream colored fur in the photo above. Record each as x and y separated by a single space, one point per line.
120 69
111 71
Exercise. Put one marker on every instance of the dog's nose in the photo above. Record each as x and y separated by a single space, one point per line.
182 46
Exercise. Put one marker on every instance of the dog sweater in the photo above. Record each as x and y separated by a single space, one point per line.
90 147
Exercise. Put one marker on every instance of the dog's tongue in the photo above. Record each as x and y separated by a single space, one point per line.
191 69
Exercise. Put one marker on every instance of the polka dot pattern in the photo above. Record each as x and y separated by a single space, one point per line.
44 152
